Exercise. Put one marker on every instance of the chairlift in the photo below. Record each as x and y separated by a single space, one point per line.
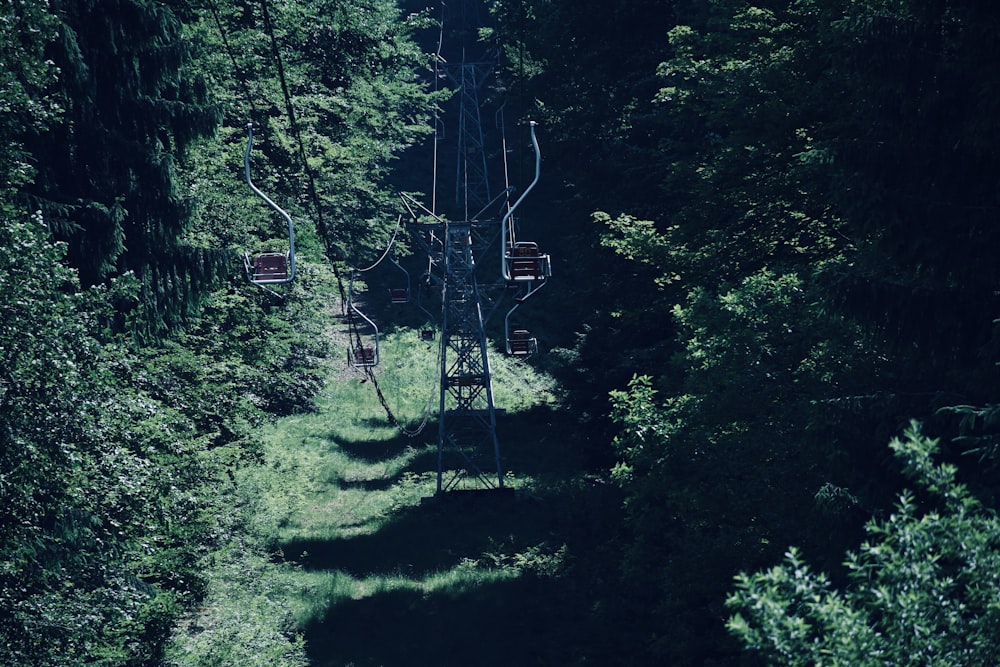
400 295
426 283
269 268
521 261
525 262
361 353
520 343
363 349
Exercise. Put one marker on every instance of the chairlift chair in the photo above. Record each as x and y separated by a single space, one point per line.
362 356
359 353
521 260
269 268
525 262
521 343
399 295
426 282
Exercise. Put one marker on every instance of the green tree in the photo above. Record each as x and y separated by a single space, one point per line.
87 490
586 70
106 174
721 470
113 454
769 167
922 589
113 458
352 74
26 28
914 178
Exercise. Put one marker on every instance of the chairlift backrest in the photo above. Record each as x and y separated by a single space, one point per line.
525 262
364 357
521 343
270 267
524 249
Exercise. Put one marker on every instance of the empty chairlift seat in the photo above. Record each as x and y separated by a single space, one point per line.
363 356
525 262
270 267
521 343
399 295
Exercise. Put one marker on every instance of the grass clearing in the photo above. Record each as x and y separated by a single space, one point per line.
361 571
342 470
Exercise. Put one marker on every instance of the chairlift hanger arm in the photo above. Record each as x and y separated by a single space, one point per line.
531 290
281 212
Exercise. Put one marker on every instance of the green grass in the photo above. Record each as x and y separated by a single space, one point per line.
342 500
247 617
344 469
364 569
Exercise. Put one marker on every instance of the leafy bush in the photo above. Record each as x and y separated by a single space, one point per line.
923 589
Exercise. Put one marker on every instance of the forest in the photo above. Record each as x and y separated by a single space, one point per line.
762 422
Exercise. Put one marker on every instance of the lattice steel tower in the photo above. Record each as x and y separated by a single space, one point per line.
472 184
468 447
467 426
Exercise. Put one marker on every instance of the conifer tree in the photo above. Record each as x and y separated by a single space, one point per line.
106 174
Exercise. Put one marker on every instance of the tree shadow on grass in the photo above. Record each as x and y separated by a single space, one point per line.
432 537
526 621
373 485
436 535
542 439
375 451
422 456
